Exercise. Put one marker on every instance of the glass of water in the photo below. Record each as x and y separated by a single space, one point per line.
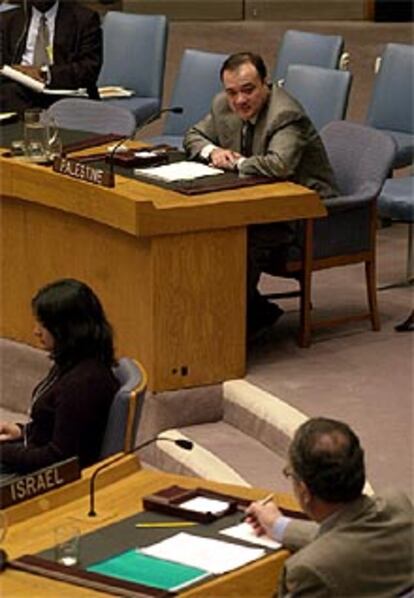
41 136
67 544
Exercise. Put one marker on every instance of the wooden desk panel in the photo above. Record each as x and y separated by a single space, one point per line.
169 269
120 493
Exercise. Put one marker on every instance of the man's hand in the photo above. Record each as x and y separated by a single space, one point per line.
32 71
224 158
262 517
9 431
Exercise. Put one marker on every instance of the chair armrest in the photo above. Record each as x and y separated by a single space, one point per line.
344 203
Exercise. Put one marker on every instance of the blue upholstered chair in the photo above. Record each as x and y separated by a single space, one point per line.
391 105
397 203
126 408
93 116
361 158
134 58
301 47
322 92
197 82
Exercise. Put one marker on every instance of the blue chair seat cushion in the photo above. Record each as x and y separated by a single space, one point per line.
405 148
397 199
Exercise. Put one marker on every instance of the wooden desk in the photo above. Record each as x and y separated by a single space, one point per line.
121 489
169 269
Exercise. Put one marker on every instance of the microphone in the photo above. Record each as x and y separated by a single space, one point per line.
147 121
181 442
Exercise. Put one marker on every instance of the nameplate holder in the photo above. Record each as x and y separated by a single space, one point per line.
83 171
34 484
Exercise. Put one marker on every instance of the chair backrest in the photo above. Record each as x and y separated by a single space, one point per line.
93 116
301 47
134 49
322 92
126 408
197 82
391 105
361 157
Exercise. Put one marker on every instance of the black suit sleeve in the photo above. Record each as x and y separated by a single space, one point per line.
77 51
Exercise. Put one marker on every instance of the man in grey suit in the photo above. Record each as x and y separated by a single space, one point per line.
259 129
356 545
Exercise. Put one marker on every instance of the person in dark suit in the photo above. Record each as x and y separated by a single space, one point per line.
73 56
70 407
259 129
356 545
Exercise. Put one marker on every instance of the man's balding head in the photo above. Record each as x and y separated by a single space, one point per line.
326 455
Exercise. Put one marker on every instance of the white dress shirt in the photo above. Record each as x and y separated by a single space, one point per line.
28 54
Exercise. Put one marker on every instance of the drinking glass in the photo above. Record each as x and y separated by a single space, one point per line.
67 544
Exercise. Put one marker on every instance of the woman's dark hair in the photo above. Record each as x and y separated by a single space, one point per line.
234 61
327 456
74 316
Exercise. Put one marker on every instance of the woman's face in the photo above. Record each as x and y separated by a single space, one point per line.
46 339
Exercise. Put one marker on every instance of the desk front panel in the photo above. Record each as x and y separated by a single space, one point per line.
176 302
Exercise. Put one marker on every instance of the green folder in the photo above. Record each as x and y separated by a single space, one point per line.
134 566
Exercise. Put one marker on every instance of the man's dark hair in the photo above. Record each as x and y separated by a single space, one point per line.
327 456
74 316
234 61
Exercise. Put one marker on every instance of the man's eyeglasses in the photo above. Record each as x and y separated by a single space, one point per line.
289 473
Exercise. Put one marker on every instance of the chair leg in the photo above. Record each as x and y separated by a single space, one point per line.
410 260
370 275
306 287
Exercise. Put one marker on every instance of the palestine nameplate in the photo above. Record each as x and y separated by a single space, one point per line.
83 171
33 484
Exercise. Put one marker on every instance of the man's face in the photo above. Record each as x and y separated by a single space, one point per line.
246 92
42 5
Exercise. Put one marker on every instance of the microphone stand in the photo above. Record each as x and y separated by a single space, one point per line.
139 127
181 442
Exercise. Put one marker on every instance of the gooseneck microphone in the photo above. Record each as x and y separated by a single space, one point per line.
181 442
145 122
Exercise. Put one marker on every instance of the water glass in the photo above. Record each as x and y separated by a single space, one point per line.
67 544
41 136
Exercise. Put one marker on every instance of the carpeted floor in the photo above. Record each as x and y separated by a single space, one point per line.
349 372
352 373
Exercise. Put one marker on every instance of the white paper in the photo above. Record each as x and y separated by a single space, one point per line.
205 505
36 85
211 555
7 115
179 171
114 91
244 531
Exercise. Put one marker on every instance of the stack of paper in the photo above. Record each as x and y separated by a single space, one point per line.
114 91
179 171
211 555
244 531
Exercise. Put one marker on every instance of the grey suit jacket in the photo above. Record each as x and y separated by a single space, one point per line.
286 145
364 550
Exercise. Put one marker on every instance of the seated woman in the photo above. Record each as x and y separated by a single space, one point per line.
70 407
